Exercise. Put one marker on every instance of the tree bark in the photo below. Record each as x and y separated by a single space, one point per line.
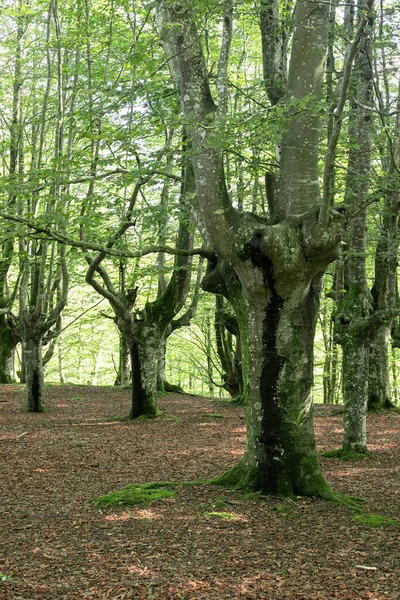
124 362
378 372
34 372
229 356
8 342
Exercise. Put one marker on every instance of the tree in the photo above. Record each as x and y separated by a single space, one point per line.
279 263
144 330
354 310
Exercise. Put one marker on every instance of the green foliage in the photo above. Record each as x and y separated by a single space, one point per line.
6 577
373 520
77 398
135 494
345 454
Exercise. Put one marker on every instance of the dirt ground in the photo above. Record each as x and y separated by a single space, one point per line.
55 544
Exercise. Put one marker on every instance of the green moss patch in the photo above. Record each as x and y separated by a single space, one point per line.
135 494
220 515
345 455
220 503
373 520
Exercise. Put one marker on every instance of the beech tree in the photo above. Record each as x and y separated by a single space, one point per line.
280 262
144 330
354 309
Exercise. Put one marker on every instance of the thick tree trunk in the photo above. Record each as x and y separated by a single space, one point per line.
144 348
280 455
34 374
277 318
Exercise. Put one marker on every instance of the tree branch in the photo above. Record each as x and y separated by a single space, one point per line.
338 113
85 245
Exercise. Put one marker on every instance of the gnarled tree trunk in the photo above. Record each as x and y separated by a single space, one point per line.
279 264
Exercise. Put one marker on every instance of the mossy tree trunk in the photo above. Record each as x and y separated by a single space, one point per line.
378 372
8 342
385 288
34 370
144 356
353 317
278 263
280 455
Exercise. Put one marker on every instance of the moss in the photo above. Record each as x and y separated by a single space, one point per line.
346 454
247 479
239 477
220 503
135 494
252 495
117 419
145 417
373 520
239 401
352 502
220 515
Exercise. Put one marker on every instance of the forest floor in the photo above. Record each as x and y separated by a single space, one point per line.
56 544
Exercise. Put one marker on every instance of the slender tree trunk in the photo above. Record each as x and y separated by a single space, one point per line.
60 364
354 313
229 356
34 373
161 364
8 343
124 363
378 374
355 393
394 377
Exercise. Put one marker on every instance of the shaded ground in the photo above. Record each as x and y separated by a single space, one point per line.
56 545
